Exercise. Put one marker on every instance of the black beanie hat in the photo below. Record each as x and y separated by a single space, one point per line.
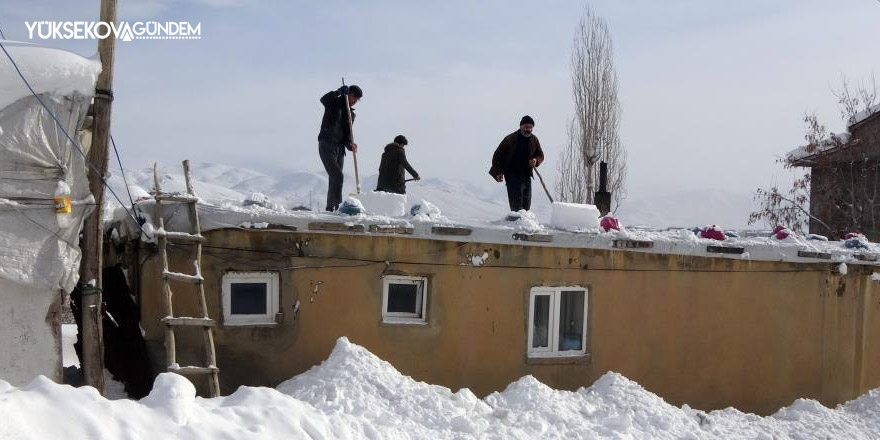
356 91
400 140
526 120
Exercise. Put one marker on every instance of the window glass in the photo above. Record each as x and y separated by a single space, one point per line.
541 322
248 298
571 320
403 298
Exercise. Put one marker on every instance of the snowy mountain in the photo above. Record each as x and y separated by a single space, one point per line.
487 200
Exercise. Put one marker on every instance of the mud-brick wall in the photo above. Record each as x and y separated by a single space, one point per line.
709 332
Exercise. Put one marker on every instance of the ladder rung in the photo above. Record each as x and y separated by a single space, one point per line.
195 322
182 236
168 197
195 279
193 370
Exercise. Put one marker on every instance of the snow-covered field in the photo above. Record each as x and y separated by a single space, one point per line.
355 395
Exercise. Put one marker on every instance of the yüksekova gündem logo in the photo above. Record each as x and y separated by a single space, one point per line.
123 31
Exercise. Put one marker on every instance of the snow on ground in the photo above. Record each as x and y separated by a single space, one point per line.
68 353
355 395
113 389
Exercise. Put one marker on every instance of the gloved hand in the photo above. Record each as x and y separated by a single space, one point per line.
343 90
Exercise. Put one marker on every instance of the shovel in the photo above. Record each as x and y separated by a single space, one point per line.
357 178
542 184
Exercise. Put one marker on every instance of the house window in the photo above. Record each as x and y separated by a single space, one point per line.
557 321
250 298
404 299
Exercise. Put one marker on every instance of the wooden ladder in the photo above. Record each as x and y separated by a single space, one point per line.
194 239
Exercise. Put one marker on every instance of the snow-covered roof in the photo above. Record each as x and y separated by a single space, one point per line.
47 69
836 141
805 152
525 229
865 114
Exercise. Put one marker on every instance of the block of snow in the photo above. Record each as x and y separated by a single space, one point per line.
260 199
383 203
574 216
425 208
525 221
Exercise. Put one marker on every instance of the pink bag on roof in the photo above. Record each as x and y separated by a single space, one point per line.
608 222
713 232
781 232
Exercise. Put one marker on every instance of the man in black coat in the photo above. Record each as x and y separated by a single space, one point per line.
335 137
513 161
391 177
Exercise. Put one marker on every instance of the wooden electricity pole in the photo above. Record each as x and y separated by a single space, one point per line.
93 229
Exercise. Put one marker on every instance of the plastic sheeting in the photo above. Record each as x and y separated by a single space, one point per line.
34 156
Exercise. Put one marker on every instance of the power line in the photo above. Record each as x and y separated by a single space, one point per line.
113 141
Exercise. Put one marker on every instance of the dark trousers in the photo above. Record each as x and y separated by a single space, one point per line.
519 192
333 157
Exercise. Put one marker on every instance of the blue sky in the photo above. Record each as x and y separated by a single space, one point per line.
711 91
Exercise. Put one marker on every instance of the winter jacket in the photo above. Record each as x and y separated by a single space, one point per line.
334 124
505 162
391 177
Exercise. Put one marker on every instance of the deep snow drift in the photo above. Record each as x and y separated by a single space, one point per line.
355 395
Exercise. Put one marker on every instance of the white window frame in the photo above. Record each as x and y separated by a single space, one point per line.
272 298
421 301
551 350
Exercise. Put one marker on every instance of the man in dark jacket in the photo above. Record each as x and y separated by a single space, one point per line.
513 161
391 177
335 137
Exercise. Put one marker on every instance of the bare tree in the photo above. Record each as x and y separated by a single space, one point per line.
850 181
593 131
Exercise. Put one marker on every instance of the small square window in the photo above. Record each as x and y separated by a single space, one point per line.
557 321
250 298
404 299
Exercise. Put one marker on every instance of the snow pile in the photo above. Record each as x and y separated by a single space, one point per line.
355 395
525 221
574 216
426 211
48 70
260 199
383 203
352 206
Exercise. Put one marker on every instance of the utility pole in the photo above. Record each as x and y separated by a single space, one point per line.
93 229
